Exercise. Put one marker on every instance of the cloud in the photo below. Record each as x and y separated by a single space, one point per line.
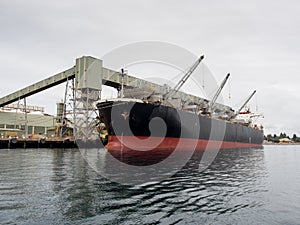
256 41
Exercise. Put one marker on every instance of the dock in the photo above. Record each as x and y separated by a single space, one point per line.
12 143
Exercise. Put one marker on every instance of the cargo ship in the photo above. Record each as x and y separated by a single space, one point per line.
158 124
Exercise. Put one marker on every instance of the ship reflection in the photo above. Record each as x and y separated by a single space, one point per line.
126 169
232 182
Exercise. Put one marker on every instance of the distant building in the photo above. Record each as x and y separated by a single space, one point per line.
285 140
13 117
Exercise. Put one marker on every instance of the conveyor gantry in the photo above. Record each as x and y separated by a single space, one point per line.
109 78
100 76
38 87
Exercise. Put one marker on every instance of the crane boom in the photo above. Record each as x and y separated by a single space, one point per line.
174 90
214 99
248 99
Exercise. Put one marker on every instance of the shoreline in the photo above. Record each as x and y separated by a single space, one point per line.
281 143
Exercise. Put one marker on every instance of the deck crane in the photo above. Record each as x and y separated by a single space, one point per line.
248 99
174 90
214 99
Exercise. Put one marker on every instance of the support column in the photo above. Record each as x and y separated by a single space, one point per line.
88 86
26 121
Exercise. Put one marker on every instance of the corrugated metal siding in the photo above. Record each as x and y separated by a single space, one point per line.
38 121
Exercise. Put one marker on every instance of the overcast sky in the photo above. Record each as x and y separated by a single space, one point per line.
258 42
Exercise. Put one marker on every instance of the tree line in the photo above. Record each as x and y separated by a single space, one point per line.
275 138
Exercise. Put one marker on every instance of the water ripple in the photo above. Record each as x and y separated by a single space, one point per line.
54 186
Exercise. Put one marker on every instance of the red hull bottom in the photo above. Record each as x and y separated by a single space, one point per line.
124 143
136 150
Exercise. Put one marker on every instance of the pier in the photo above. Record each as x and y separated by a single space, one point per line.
37 143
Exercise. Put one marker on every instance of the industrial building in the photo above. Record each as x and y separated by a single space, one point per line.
14 118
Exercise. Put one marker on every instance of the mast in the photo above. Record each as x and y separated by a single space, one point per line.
248 99
214 99
122 83
174 90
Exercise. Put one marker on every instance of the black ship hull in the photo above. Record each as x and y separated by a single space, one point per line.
137 127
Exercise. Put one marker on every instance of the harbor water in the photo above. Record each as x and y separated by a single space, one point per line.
241 186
